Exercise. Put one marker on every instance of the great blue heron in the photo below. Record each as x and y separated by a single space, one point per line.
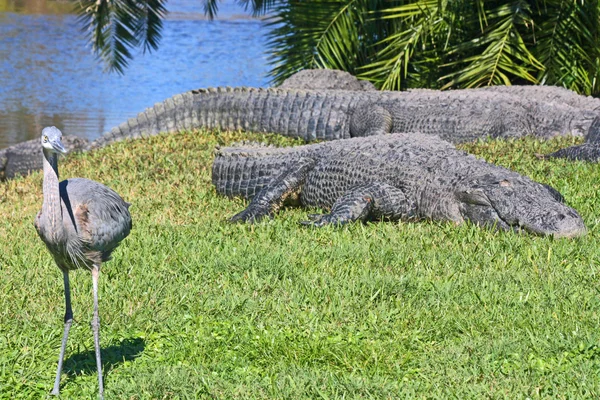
81 223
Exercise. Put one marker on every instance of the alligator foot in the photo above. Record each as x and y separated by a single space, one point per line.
253 213
371 120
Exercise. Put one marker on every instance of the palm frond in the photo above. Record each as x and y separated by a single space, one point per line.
568 45
210 8
395 60
321 34
258 7
504 56
149 23
116 27
396 44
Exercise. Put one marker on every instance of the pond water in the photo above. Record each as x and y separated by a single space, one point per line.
49 76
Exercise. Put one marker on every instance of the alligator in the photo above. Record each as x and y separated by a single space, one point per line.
550 94
321 79
456 116
25 157
401 176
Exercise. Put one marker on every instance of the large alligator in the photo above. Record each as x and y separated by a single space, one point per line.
404 176
329 79
457 116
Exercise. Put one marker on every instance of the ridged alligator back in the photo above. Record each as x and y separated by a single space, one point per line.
290 112
242 171
457 116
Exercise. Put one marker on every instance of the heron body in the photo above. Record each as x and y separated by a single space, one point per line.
93 220
81 223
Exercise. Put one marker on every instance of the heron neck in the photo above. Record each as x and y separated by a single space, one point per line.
51 205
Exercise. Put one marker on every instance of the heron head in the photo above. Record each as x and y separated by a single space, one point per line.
52 140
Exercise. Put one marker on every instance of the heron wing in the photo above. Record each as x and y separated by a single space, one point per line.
99 215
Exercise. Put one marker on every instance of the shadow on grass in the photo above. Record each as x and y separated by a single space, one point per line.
85 363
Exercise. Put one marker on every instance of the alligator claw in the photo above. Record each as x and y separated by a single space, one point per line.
314 217
250 215
319 220
314 224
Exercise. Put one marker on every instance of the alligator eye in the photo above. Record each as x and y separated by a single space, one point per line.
45 139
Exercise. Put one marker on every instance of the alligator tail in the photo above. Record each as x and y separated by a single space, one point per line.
290 112
175 113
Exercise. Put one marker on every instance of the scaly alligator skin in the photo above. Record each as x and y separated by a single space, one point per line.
553 95
590 151
25 157
404 176
330 79
550 94
456 116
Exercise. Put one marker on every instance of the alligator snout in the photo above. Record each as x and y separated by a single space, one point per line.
566 223
569 225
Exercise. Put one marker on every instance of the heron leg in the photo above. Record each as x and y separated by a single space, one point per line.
68 322
96 329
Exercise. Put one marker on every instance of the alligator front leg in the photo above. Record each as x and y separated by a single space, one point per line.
270 198
371 201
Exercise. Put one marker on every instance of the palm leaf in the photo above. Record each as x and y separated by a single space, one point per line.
116 27
568 45
500 54
395 61
320 34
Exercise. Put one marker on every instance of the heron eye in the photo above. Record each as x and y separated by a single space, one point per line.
45 139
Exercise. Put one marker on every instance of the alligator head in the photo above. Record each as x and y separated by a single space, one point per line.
514 202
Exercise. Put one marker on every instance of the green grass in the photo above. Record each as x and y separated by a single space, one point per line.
194 307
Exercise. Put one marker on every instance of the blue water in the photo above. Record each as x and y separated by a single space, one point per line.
48 75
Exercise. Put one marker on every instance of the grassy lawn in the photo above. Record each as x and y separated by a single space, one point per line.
194 307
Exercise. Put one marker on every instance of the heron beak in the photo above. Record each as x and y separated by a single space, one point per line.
58 147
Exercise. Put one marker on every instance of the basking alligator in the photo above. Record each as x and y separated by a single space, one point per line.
457 116
319 79
404 176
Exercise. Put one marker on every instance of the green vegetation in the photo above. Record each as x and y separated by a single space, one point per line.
396 44
192 306
401 44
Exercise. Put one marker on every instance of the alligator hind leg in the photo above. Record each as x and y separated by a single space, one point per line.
370 120
367 202
593 135
588 151
583 152
270 198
